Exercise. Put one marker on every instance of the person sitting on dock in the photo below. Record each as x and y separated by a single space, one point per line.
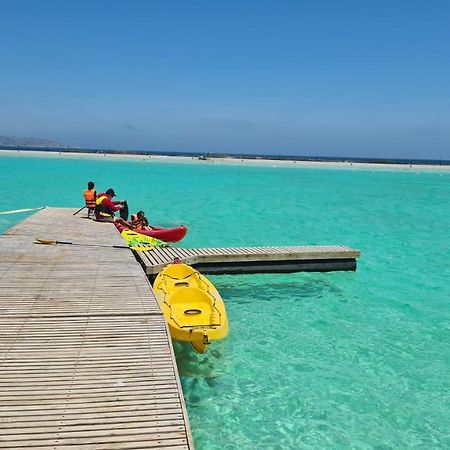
105 208
90 196
139 221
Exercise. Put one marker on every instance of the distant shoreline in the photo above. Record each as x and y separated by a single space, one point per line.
283 161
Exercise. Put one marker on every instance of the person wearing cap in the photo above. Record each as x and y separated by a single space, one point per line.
105 208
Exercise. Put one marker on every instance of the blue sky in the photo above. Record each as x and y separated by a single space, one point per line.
328 78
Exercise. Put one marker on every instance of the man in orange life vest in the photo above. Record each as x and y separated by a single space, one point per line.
90 196
105 208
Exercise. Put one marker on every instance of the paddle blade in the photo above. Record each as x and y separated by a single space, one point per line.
124 211
45 241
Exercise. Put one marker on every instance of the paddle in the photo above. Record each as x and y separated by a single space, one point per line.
81 209
124 211
15 211
51 242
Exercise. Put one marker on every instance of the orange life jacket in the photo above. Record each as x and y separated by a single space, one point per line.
136 222
89 197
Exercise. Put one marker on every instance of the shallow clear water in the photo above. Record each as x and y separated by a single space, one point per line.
313 360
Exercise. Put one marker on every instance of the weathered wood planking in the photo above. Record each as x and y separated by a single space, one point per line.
86 361
253 259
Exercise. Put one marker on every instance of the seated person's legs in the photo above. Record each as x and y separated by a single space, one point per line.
104 219
122 222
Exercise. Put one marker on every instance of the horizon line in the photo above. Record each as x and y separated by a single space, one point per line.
212 155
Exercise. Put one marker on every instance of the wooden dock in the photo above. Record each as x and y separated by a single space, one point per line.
253 259
86 358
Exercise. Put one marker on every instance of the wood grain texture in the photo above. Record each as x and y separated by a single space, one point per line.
86 360
253 259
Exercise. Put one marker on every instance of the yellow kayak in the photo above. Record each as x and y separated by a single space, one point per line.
193 308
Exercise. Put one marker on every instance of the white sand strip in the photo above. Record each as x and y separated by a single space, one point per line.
229 160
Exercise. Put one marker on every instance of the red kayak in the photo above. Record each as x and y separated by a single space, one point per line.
164 234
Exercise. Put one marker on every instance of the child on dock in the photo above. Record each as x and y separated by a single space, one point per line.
90 197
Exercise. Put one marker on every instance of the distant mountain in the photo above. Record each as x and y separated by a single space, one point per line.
25 142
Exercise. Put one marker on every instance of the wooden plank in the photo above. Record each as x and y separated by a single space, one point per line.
86 360
258 259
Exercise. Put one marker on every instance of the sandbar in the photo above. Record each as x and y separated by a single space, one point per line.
254 161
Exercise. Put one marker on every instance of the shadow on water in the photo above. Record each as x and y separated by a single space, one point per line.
309 288
207 366
203 376
211 376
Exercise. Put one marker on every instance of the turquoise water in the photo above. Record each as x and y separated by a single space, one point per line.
313 360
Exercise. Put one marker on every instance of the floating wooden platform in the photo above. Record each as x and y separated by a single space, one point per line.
252 259
86 361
